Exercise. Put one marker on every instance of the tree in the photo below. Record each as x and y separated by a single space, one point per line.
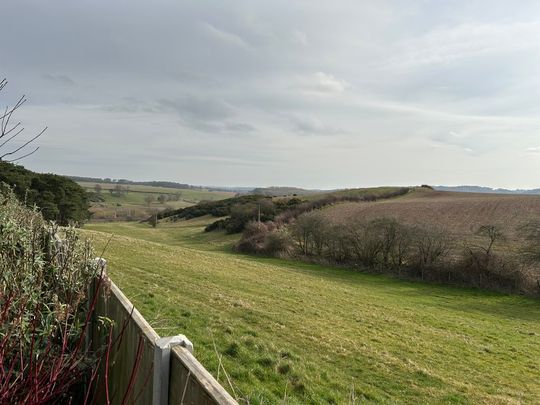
162 198
429 245
59 198
10 129
153 220
530 232
149 199
493 234
97 188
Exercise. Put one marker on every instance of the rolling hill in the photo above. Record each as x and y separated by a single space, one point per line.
300 333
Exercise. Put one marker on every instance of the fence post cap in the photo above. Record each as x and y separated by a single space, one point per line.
170 341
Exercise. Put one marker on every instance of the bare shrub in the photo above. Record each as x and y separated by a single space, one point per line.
366 244
530 233
309 233
253 238
278 243
429 246
339 243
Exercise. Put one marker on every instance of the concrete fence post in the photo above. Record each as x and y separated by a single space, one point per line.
162 364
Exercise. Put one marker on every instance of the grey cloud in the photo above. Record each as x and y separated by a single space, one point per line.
313 126
197 108
193 79
63 80
240 127
225 37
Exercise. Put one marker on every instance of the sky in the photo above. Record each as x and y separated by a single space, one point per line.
308 93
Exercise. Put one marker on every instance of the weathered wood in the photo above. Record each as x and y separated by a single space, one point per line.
191 383
131 335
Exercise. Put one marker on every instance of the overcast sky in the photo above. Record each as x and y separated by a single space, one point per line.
314 93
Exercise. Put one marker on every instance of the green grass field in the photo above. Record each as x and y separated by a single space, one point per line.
313 334
132 205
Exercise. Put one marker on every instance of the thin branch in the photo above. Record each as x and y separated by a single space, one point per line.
11 137
8 132
23 156
25 144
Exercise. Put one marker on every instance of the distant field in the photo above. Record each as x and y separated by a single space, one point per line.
295 333
132 204
353 192
460 213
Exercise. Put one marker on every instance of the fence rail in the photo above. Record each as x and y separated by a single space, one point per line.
141 367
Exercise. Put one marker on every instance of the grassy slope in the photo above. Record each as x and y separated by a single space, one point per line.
320 335
133 203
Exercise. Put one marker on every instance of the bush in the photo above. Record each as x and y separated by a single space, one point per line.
278 243
253 238
43 298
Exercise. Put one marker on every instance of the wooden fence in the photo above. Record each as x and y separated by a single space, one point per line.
140 367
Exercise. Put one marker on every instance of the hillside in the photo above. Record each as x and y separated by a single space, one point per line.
276 191
460 213
242 209
316 334
128 201
488 190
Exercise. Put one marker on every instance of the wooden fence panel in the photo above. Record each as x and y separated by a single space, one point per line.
130 371
132 350
191 383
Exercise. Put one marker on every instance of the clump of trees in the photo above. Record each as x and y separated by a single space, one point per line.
386 245
58 198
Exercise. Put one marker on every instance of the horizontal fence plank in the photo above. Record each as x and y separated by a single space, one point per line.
191 383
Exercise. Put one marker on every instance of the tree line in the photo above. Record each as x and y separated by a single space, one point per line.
59 198
386 245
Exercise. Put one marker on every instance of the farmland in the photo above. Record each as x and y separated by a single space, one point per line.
459 213
136 202
307 333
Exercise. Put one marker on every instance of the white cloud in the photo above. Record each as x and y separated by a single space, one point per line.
535 150
321 82
225 36
448 44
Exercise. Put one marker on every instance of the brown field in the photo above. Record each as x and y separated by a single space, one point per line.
461 214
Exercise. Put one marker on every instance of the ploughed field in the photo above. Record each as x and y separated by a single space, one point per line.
461 214
301 333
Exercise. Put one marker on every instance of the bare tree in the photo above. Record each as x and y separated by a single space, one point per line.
162 198
429 245
149 199
530 232
11 129
482 254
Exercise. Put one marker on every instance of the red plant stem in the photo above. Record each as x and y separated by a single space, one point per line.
107 366
90 382
134 370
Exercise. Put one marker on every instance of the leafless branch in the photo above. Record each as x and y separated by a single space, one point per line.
11 131
24 144
23 156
